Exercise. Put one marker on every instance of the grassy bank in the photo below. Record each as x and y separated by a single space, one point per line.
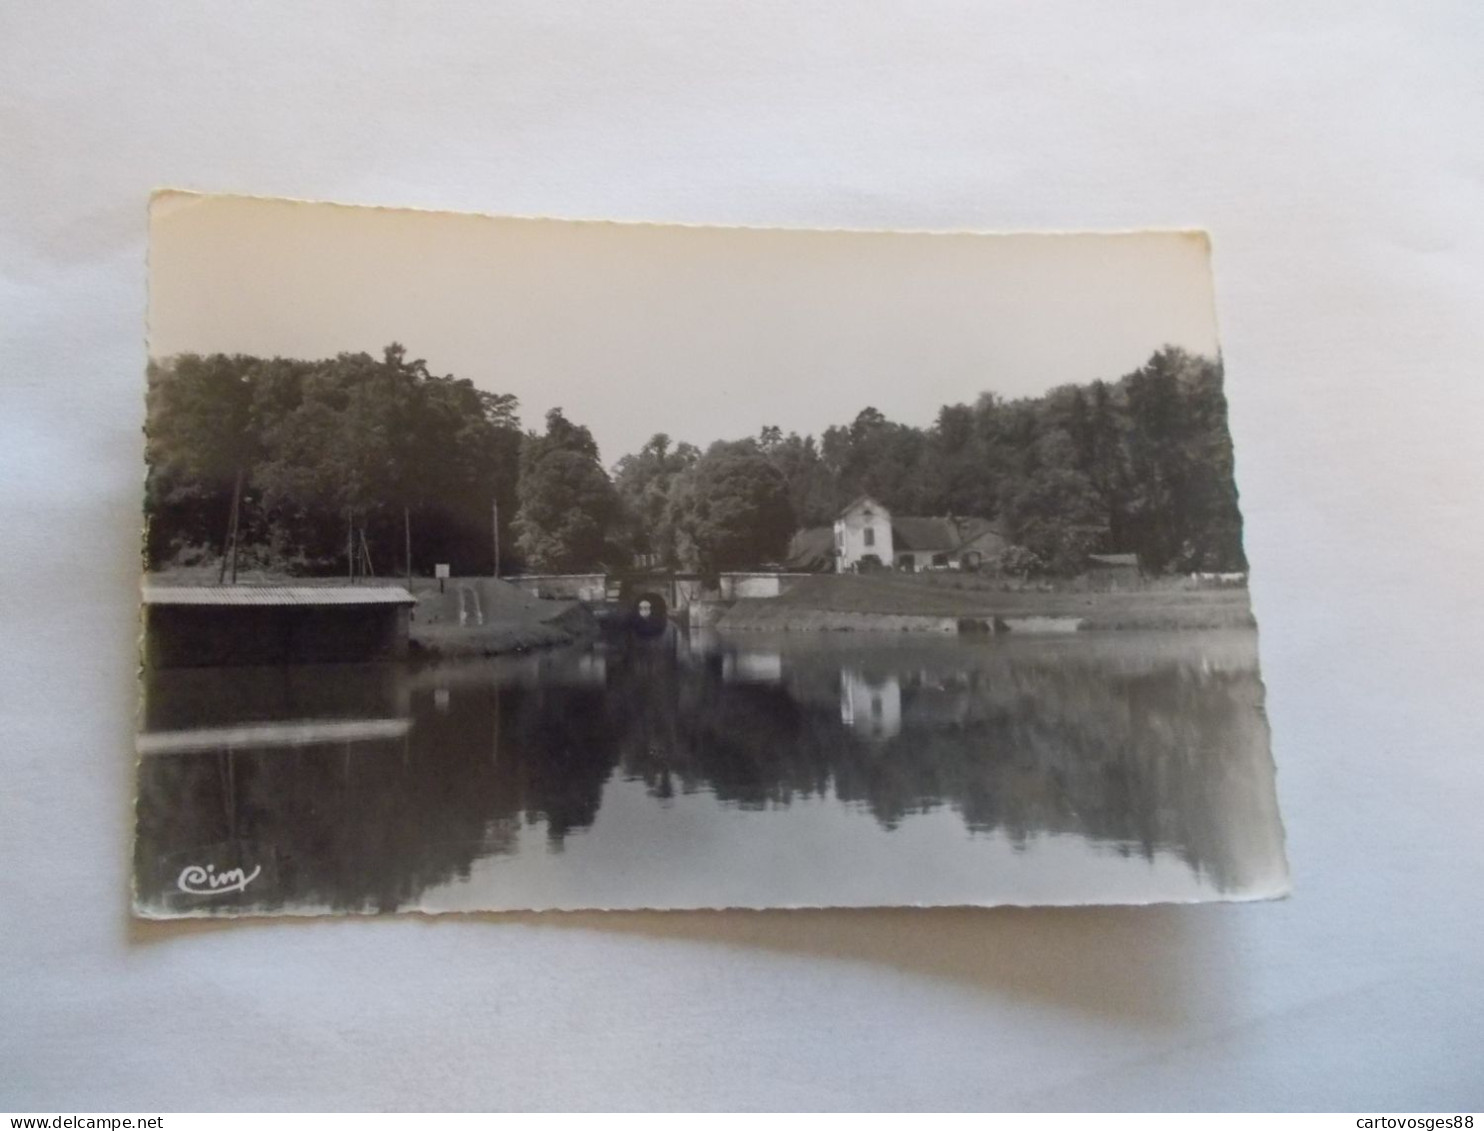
485 617
1161 606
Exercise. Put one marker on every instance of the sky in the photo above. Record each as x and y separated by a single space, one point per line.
702 333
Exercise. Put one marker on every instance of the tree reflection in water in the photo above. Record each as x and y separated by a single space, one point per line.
1139 744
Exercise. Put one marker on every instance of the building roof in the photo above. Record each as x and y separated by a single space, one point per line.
973 530
1113 559
811 549
910 532
862 500
938 535
306 596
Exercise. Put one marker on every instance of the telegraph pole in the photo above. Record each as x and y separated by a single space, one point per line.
495 510
230 550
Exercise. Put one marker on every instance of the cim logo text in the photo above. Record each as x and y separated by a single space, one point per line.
196 880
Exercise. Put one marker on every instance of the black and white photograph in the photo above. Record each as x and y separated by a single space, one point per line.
521 564
818 556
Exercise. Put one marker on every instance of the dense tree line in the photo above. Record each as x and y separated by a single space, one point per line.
320 464
1142 465
351 451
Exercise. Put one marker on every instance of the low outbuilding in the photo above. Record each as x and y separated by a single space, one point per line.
186 626
1114 570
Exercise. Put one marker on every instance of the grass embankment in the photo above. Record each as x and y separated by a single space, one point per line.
1156 605
472 616
485 617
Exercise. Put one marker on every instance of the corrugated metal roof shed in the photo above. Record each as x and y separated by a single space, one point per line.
305 596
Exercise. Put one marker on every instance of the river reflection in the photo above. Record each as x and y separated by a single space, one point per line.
706 771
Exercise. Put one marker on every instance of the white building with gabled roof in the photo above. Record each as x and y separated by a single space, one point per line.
866 530
863 535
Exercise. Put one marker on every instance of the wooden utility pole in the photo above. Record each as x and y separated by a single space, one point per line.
495 506
221 573
407 543
233 521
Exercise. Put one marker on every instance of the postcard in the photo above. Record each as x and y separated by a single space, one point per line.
499 563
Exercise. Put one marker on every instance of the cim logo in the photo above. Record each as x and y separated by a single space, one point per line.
196 880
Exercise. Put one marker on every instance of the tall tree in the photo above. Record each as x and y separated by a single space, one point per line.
1054 511
731 510
644 481
812 491
567 503
1213 537
200 447
960 476
874 456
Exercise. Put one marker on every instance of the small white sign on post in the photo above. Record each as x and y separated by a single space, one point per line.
440 571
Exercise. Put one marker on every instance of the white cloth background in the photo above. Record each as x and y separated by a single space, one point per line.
1334 151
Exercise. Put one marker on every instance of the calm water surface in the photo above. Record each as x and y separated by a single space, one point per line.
712 771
